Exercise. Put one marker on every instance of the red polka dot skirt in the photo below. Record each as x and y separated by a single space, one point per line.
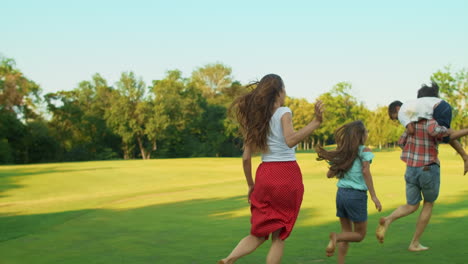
276 199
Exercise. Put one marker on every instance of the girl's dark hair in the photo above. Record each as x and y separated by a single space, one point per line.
254 110
429 91
348 139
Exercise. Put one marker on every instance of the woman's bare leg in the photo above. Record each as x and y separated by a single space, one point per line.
246 246
276 250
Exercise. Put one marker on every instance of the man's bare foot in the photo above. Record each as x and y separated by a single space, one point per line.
417 247
381 229
331 245
221 262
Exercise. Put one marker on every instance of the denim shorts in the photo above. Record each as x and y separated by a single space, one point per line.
351 204
443 115
422 180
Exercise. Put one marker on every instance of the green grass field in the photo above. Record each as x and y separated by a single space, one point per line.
195 211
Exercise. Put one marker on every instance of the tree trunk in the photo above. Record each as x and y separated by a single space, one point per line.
125 152
142 149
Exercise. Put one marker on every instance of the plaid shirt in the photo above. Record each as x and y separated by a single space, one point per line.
421 148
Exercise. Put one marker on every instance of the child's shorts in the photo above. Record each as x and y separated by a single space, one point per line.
443 115
351 204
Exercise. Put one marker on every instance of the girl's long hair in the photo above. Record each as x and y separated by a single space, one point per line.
254 110
348 138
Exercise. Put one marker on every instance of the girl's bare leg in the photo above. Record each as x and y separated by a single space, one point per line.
346 226
347 235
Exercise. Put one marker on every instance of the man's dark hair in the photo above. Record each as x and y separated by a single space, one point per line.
429 91
392 107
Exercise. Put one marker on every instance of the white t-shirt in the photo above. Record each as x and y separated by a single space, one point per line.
415 110
278 149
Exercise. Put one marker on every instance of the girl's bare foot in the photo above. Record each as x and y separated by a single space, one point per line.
381 229
331 245
417 247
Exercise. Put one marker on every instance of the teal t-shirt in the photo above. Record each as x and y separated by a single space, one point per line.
354 178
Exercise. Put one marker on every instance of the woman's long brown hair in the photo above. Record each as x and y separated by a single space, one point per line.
254 110
348 138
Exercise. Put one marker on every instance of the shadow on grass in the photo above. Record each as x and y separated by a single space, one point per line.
9 175
202 231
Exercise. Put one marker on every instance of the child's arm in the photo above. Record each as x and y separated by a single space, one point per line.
410 128
247 166
402 140
370 184
435 130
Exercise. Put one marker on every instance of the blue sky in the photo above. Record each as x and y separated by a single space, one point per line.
386 49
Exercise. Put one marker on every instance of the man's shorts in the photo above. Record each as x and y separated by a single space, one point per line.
443 115
422 180
351 204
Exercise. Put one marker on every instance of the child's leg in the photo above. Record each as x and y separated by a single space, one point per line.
347 236
443 115
359 233
456 134
246 246
276 250
346 226
460 150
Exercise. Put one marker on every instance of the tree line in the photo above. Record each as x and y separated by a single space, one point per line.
176 116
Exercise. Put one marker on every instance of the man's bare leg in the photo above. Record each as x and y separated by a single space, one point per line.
423 220
385 222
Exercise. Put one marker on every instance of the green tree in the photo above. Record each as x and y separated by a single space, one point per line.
176 105
341 108
382 130
303 113
17 93
19 98
78 121
12 138
212 80
128 113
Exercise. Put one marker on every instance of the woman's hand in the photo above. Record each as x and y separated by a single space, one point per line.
319 109
251 188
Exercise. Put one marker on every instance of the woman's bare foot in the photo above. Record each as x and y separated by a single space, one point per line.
331 245
221 262
381 229
417 247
